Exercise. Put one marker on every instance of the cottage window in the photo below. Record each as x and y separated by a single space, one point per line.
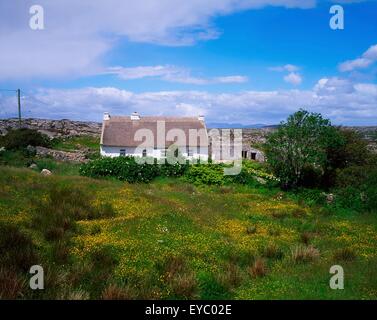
164 152
122 152
244 154
144 153
190 152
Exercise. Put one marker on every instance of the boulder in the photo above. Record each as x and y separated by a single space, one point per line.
46 172
31 149
33 166
261 180
329 198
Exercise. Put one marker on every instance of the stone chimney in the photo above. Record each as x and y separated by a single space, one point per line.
135 116
106 116
201 118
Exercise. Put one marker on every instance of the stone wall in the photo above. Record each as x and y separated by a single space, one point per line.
59 155
54 128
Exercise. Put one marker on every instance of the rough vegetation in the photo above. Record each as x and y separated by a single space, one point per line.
187 231
169 239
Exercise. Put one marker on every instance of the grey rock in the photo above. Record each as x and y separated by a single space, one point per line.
77 156
329 198
46 172
31 149
261 180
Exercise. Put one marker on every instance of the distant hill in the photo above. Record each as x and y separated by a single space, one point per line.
221 125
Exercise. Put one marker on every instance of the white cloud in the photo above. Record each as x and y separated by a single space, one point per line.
326 86
142 71
293 78
231 79
171 74
367 59
287 67
78 34
339 99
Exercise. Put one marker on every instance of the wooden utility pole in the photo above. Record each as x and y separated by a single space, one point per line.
19 106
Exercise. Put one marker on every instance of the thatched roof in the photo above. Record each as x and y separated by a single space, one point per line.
121 131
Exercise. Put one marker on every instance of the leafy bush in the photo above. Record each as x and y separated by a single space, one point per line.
352 176
352 152
357 188
205 174
244 177
299 143
122 168
20 138
311 196
15 158
173 170
130 170
257 170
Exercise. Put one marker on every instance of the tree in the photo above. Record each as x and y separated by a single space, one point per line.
299 145
353 151
17 139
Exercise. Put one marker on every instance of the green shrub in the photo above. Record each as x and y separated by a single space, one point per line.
130 170
122 168
357 188
250 173
244 177
46 163
205 174
300 142
20 138
352 176
173 170
311 196
14 158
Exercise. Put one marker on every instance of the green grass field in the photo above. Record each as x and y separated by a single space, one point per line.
171 240
76 143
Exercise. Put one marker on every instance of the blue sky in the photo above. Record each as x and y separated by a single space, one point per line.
243 61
